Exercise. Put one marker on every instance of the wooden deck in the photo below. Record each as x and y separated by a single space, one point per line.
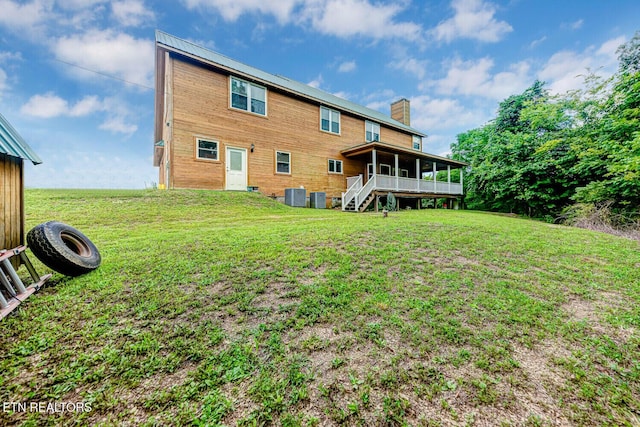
358 196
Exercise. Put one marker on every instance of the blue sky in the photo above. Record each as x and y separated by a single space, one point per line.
76 76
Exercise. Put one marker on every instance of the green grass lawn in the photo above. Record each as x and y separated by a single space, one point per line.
214 308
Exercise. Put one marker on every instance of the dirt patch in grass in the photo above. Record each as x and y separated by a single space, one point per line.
150 394
592 311
541 381
581 310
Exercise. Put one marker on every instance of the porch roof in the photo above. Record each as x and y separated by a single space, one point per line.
368 147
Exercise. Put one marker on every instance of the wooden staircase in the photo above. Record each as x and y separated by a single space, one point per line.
351 206
356 194
367 202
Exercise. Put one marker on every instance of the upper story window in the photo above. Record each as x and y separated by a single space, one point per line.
417 142
248 96
207 149
372 131
329 120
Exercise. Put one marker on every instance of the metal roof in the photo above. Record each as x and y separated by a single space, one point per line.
13 144
179 45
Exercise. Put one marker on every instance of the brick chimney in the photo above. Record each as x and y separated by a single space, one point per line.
401 111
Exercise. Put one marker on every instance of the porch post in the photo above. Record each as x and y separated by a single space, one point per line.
461 186
374 160
397 171
418 173
449 178
435 186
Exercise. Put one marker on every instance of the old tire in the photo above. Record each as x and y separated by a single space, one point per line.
64 249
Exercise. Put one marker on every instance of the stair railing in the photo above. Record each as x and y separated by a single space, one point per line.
355 184
364 192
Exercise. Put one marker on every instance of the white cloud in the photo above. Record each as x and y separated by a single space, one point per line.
115 54
346 18
608 49
341 18
118 117
537 42
45 106
473 78
6 57
86 106
19 16
347 67
79 4
473 19
49 106
565 70
441 114
410 65
117 124
232 9
132 13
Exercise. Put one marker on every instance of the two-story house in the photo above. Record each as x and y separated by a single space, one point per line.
223 125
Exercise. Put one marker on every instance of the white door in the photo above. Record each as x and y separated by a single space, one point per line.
236 169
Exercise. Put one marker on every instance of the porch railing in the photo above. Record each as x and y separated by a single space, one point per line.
358 192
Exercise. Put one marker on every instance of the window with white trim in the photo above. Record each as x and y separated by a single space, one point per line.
206 149
417 142
404 173
335 166
248 97
385 169
283 162
372 131
329 120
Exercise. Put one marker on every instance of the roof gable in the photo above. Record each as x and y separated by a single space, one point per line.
179 45
12 144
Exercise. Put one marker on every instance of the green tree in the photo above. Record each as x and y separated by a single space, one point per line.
521 161
510 109
617 146
542 153
629 55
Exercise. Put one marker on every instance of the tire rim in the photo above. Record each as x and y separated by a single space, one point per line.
76 245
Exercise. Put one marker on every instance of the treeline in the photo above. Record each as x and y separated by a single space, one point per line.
543 154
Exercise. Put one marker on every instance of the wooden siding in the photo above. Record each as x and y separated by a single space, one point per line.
11 203
199 99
